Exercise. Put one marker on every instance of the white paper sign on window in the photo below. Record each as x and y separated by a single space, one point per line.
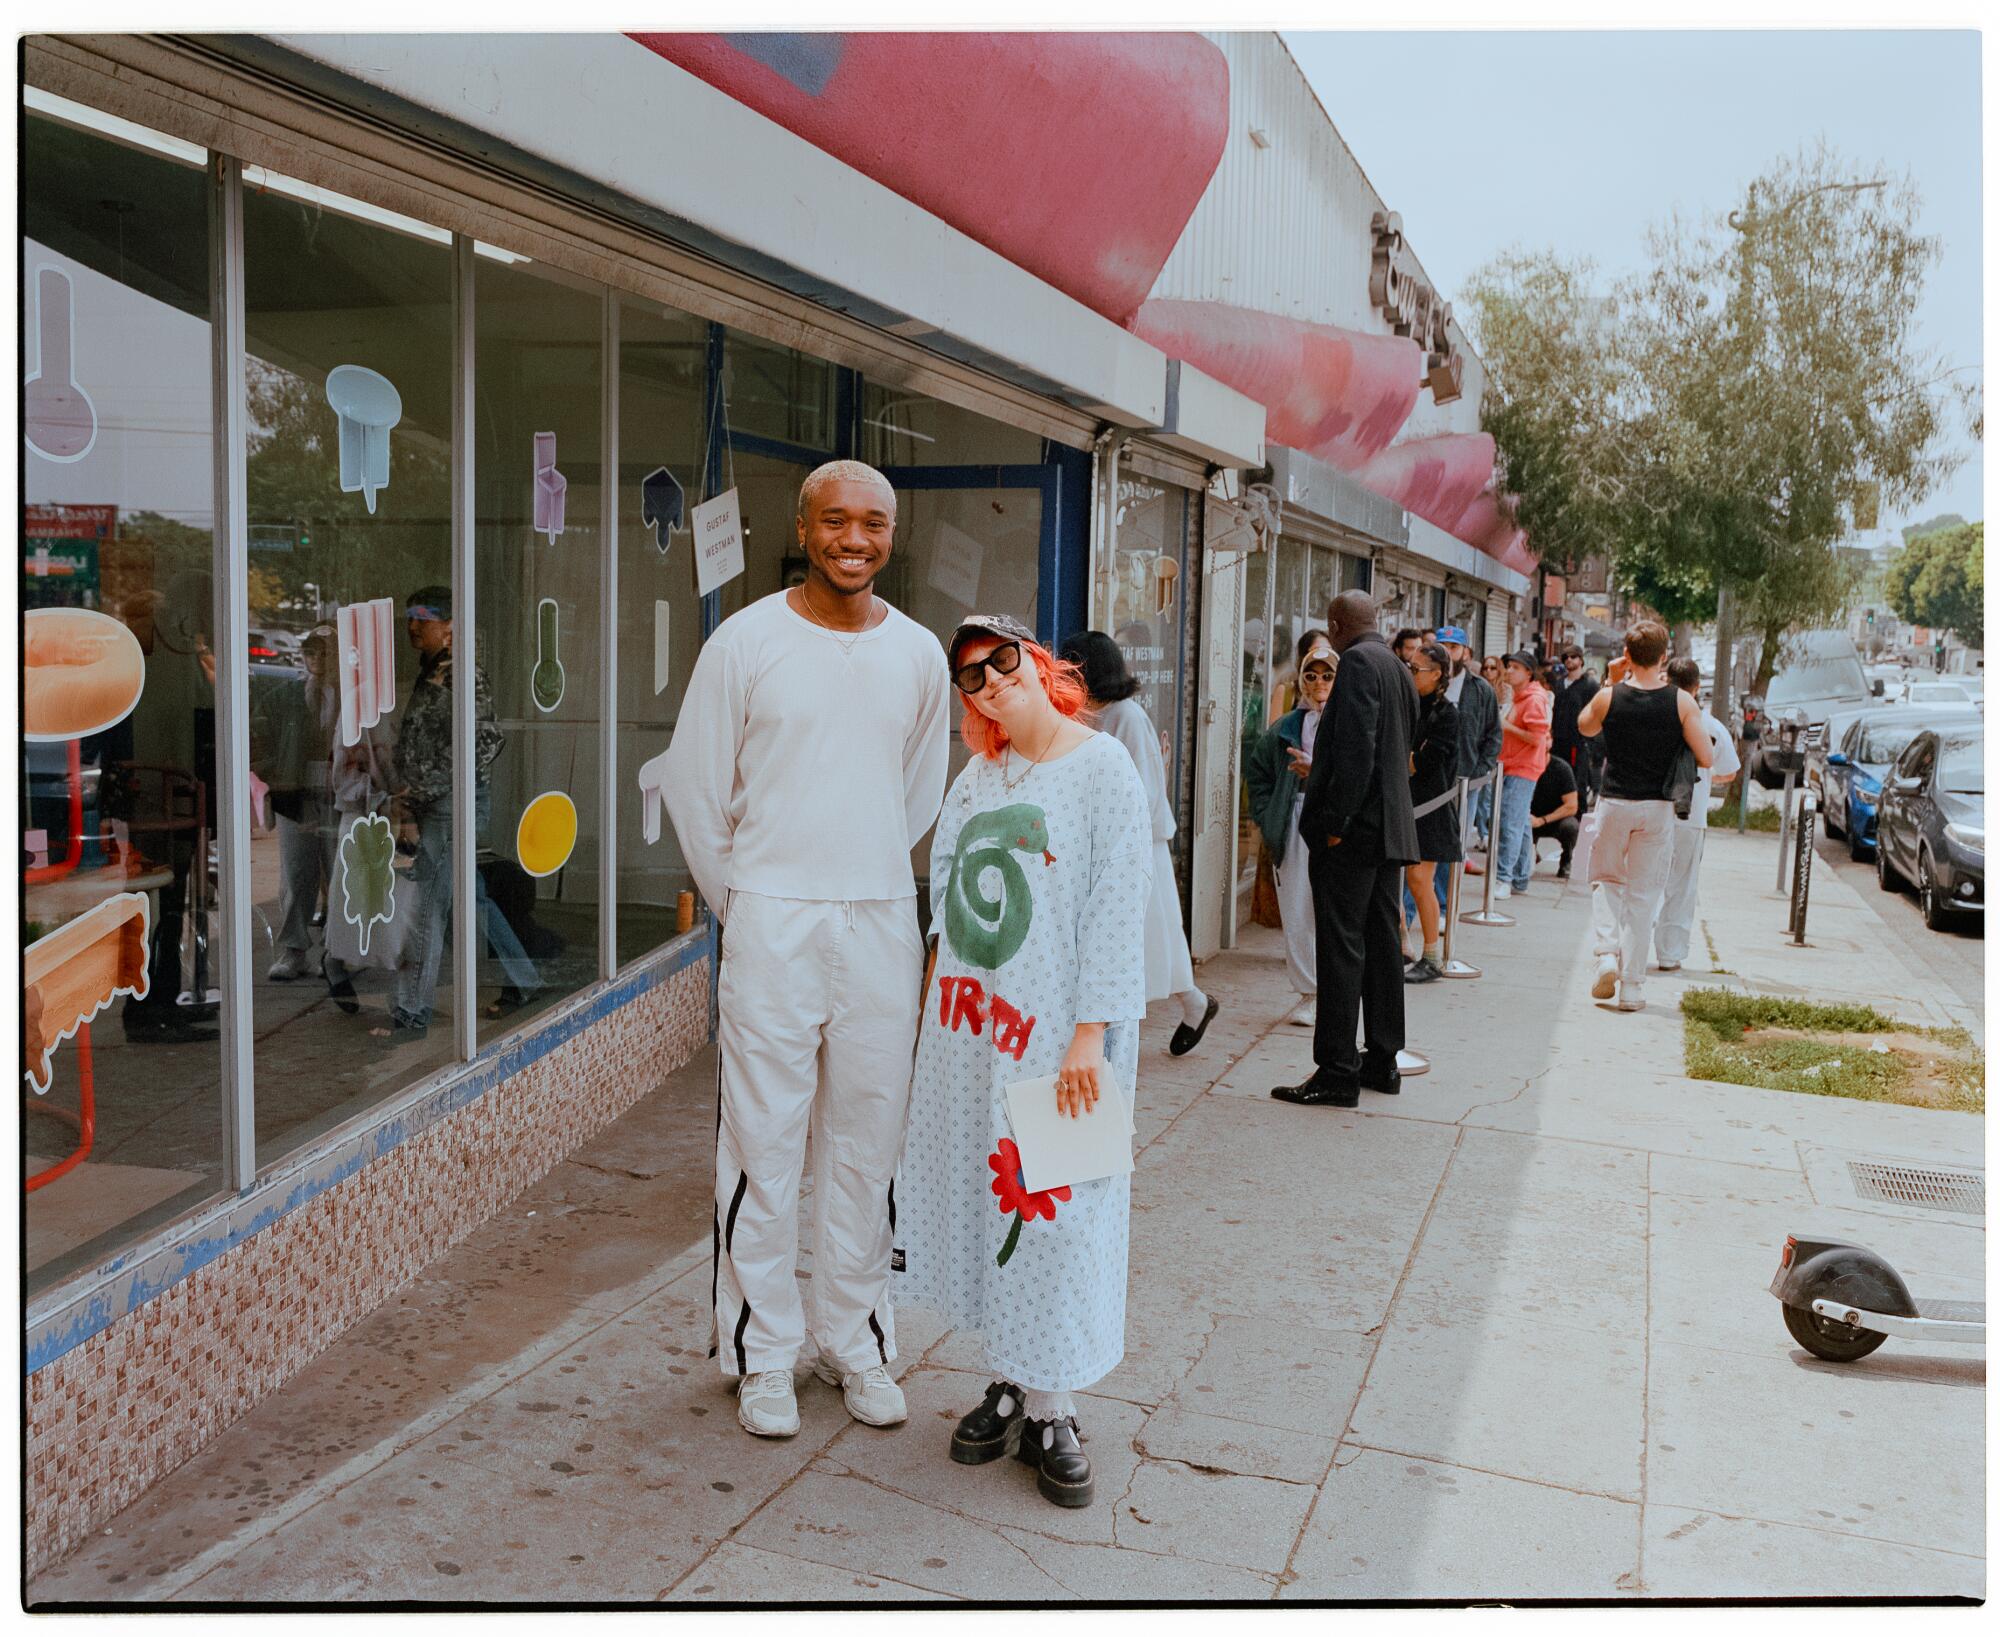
718 542
956 560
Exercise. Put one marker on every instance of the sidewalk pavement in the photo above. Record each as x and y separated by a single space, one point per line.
1504 1336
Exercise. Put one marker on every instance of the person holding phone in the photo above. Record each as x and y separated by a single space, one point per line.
1276 774
1041 864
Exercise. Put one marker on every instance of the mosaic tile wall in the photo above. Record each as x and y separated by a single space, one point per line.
116 1414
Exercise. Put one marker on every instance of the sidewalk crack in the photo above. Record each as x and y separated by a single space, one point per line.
1500 1102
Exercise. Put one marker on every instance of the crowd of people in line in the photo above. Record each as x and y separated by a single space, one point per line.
811 757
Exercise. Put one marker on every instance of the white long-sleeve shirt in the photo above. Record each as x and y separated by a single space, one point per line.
805 764
1727 762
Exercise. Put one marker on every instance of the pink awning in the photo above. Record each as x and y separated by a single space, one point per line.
1340 395
1079 157
1437 478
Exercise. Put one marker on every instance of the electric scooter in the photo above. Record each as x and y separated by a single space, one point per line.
1841 1302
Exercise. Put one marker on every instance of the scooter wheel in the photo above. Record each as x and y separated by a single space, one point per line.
1828 1338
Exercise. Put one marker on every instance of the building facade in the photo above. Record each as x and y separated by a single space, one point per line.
357 364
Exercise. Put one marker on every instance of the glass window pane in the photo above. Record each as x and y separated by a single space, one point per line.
118 794
901 428
661 367
539 361
1148 601
778 392
348 327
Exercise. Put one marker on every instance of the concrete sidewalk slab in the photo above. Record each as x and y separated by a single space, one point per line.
1505 1335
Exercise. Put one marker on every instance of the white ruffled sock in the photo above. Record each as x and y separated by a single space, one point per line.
1045 1407
1193 1004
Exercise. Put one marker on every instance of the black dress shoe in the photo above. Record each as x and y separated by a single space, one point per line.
1319 1093
1062 1470
1387 1081
986 1435
1185 1039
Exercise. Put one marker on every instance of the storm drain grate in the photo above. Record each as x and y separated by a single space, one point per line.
1961 1192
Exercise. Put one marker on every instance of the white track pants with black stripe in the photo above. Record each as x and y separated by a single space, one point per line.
818 1029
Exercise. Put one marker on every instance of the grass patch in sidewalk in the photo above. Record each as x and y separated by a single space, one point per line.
1829 1051
1764 819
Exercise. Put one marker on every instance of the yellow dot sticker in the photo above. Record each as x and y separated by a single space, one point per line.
546 835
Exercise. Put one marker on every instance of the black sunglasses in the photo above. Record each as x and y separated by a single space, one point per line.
1002 661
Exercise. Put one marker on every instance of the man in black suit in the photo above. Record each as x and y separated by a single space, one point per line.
1358 827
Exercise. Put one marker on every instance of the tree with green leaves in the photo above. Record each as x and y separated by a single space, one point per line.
1939 580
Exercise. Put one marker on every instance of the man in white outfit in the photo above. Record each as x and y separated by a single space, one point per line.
1675 927
809 757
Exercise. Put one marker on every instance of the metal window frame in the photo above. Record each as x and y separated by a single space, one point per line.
465 641
607 646
231 581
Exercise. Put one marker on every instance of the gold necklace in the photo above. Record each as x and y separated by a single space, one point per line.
1032 761
845 643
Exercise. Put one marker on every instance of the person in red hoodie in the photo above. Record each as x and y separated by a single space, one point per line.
1524 752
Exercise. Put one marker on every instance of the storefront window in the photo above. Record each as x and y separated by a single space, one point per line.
1148 601
122 919
1292 618
662 367
348 326
538 459
779 392
906 429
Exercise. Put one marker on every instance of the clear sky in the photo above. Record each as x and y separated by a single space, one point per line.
1579 141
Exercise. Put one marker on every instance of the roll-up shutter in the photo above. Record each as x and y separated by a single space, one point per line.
1497 608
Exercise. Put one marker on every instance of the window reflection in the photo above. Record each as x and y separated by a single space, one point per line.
122 920
348 387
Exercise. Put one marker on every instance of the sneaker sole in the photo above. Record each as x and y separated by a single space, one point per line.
751 1427
1605 987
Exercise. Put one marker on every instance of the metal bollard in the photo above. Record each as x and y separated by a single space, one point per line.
1454 967
1802 871
1785 830
1486 914
1743 787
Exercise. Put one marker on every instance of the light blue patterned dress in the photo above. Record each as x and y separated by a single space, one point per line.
1038 893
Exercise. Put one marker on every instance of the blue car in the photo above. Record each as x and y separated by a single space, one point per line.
1850 779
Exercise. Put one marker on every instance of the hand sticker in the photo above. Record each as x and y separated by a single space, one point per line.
652 784
365 637
368 406
57 415
662 504
367 874
550 488
548 681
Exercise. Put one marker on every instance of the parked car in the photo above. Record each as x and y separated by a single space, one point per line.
1944 691
1859 751
1819 675
1930 823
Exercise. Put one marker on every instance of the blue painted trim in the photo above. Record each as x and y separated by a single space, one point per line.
798 454
128 1282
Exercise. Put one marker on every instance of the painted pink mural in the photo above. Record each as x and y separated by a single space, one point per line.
1338 394
1491 512
1079 157
1437 478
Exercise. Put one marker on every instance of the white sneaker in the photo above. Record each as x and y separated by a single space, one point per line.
1605 984
871 1397
1668 966
767 1405
1501 890
1630 1000
1306 1014
288 966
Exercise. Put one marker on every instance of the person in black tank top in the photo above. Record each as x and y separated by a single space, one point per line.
1644 720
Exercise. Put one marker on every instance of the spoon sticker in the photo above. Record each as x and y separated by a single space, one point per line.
368 405
58 417
662 505
548 681
550 488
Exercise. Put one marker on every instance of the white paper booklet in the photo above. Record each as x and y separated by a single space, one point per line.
1057 1150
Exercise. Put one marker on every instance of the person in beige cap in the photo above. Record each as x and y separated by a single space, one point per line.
1276 773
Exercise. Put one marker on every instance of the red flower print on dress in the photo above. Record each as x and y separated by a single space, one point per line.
1011 1189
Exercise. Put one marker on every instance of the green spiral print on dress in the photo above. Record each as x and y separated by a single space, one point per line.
987 931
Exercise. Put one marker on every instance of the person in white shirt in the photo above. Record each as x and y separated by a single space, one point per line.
810 756
1675 927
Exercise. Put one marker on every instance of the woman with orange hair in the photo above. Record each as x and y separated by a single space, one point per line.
1040 869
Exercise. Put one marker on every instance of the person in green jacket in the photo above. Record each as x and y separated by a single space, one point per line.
1275 770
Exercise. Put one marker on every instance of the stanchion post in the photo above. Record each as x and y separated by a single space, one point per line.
1454 967
1743 787
1486 914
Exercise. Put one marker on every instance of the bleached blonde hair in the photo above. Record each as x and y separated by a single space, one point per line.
842 471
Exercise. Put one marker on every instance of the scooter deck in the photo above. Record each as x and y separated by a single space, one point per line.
1951 1312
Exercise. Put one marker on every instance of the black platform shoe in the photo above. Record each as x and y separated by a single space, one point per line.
1062 1470
986 1435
